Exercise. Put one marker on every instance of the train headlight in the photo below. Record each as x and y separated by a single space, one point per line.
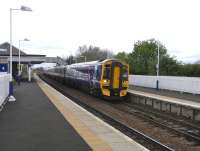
125 83
105 82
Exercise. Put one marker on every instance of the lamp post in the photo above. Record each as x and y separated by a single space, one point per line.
19 59
23 8
157 67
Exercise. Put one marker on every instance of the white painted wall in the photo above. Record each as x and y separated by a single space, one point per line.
183 84
4 87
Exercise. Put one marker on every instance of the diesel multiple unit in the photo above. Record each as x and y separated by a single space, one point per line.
107 78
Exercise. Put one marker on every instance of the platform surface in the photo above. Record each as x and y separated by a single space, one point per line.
32 123
99 135
185 100
42 119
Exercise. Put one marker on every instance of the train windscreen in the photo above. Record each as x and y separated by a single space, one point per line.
124 73
107 72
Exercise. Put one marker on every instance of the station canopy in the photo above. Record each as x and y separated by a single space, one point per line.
25 58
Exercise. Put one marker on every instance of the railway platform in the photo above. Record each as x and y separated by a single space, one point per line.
44 119
187 105
172 94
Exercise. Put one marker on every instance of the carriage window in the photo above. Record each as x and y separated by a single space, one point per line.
91 73
98 72
124 73
107 72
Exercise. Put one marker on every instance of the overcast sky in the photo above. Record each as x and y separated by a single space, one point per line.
59 27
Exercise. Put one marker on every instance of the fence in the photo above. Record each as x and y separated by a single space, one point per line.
182 84
4 87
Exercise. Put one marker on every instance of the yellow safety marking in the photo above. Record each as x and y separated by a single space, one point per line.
96 143
116 77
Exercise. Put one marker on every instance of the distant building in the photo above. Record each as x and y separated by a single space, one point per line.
51 59
26 59
44 66
57 60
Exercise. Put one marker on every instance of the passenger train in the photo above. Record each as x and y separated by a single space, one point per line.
107 78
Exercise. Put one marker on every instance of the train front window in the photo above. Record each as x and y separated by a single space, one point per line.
107 72
124 73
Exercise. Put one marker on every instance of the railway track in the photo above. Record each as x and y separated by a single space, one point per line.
139 137
180 127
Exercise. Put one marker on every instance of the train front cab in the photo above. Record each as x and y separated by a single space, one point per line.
114 80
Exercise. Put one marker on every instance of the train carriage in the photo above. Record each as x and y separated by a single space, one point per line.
108 78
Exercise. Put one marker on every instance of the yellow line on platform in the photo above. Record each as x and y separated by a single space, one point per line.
96 143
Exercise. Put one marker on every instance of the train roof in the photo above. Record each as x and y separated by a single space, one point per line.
94 62
85 63
90 63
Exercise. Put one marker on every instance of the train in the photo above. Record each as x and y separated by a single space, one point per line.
103 78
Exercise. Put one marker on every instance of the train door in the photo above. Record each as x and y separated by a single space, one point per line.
116 77
111 75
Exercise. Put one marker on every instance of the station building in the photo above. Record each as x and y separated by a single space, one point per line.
27 60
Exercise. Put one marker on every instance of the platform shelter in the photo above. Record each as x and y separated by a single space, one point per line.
27 60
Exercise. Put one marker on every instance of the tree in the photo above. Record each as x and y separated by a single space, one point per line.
170 66
143 58
122 56
92 53
192 70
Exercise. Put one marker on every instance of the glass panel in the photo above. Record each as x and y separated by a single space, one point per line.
124 73
107 72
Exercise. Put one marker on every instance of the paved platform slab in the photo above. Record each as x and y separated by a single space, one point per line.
164 98
99 135
32 123
168 93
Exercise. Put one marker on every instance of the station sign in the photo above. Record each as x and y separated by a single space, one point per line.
3 67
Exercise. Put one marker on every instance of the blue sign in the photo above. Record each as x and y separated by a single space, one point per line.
4 67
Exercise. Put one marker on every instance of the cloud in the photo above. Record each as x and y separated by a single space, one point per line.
58 27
